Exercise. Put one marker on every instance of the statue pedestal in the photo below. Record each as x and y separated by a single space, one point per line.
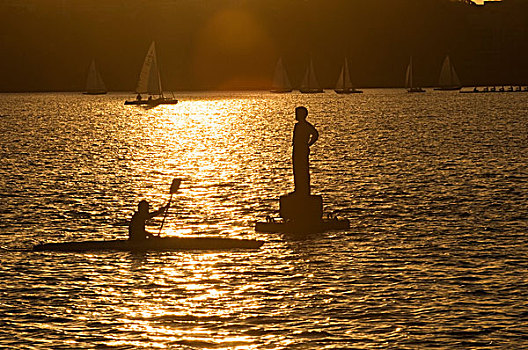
305 209
301 214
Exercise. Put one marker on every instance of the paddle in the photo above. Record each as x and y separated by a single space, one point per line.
173 189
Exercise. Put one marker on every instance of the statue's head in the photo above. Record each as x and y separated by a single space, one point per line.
301 113
143 206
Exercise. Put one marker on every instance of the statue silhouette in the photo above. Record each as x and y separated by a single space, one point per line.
304 135
301 212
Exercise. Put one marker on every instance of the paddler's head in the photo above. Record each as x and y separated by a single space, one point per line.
301 113
143 207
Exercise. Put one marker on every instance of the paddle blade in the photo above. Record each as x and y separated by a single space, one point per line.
175 186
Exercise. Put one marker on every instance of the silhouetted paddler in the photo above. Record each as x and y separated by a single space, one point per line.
136 227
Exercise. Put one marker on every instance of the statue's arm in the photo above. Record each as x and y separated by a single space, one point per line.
314 135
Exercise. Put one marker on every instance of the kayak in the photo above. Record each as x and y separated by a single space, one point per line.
166 243
274 226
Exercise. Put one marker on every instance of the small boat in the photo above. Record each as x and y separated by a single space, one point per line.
310 85
448 80
94 82
344 84
154 244
285 226
153 102
409 80
281 82
150 83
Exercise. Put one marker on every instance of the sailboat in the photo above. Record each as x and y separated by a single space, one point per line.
94 83
409 83
281 82
150 82
448 77
310 85
344 84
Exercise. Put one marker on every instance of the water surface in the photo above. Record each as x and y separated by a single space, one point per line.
435 186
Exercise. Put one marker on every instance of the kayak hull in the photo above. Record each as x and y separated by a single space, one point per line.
154 244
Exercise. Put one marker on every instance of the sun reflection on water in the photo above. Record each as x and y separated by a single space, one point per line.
206 142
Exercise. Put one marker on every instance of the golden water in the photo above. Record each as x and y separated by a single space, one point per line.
435 187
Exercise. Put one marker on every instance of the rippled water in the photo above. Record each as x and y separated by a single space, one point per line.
435 187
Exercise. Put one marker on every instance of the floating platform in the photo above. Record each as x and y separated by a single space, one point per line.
274 226
154 244
301 214
311 91
415 90
95 93
493 91
447 88
348 91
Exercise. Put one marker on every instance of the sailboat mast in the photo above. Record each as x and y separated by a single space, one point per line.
345 73
159 82
450 72
341 80
408 76
158 74
411 73
347 83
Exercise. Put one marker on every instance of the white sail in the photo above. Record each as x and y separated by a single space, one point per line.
310 82
94 81
344 82
149 78
448 76
409 76
281 82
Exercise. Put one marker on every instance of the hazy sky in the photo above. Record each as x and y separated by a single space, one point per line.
231 44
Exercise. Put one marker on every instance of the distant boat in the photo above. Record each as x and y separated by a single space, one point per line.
281 82
94 83
310 85
494 89
448 77
409 80
150 82
344 84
